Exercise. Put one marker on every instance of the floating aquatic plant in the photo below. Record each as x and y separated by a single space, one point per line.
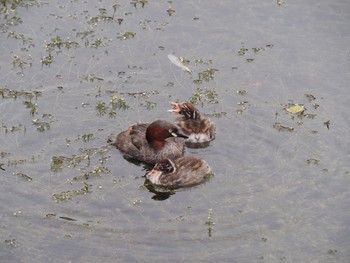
87 137
203 62
118 103
170 10
137 201
11 242
149 105
101 108
47 60
327 123
56 163
32 106
96 172
41 125
242 50
310 97
210 221
206 75
278 126
218 114
204 95
89 78
126 35
67 195
13 129
241 92
20 63
141 2
24 176
313 161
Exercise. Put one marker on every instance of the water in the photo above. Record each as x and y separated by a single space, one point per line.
277 195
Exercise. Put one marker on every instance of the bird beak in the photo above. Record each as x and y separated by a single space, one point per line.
177 107
178 134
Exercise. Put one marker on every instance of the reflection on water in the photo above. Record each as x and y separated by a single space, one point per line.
160 194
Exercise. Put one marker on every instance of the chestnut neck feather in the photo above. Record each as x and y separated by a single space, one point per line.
156 137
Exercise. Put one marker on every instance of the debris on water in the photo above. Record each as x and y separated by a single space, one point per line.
295 109
68 218
327 123
179 62
332 251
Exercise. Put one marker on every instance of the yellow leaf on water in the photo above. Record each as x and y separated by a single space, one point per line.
296 108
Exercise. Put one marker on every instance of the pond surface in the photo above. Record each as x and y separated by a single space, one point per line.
73 73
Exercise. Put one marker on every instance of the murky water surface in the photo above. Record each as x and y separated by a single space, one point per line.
75 72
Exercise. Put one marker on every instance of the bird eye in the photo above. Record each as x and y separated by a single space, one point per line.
173 132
